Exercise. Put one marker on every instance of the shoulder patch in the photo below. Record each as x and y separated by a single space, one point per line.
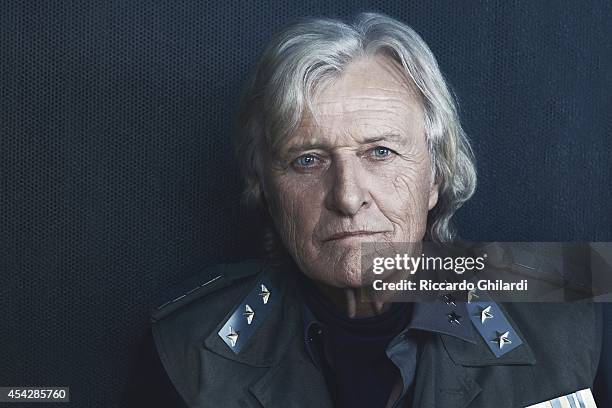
492 325
249 315
208 281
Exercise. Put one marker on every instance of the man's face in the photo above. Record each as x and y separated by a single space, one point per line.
360 174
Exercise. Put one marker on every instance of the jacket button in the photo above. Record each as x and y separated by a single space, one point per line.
314 330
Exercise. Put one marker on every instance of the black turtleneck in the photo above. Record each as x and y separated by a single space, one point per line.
356 367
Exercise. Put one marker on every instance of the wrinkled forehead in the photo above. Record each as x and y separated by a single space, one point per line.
368 73
373 96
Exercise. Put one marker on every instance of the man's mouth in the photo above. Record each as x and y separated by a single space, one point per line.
350 234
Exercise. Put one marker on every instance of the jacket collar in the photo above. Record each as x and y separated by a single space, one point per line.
478 354
268 346
444 378
280 322
441 376
461 340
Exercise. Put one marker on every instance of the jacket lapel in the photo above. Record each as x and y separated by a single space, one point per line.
295 381
278 346
439 381
443 378
293 378
268 342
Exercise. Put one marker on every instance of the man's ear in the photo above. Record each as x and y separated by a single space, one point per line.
433 194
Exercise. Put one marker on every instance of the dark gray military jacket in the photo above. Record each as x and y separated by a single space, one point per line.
220 353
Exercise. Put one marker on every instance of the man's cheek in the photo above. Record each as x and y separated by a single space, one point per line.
403 206
296 218
412 190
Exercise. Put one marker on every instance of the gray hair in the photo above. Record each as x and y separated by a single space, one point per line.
306 54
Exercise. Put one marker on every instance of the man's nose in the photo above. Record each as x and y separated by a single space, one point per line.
348 193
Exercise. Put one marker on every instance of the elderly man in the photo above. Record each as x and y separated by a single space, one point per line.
349 135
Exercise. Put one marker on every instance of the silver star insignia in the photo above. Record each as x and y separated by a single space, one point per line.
232 336
249 314
265 294
471 296
453 318
449 299
485 313
502 339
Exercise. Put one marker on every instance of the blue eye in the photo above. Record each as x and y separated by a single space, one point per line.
381 152
307 160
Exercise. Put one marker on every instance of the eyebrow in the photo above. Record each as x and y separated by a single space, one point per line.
388 136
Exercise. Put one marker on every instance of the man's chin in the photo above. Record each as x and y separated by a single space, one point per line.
355 279
350 278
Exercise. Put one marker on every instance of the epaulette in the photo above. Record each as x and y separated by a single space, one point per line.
209 280
250 314
486 316
492 324
559 264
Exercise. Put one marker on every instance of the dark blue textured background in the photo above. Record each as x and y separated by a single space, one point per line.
117 177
